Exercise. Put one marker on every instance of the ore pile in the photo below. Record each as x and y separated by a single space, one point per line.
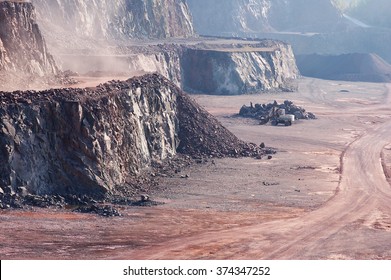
201 134
264 111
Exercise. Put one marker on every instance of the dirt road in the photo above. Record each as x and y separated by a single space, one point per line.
324 195
363 198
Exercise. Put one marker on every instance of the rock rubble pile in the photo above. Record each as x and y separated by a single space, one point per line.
201 134
264 112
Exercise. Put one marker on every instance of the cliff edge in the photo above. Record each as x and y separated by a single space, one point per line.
238 69
89 141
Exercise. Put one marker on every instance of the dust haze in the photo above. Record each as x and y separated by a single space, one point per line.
195 129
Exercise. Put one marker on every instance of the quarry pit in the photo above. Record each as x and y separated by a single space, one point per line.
297 211
100 166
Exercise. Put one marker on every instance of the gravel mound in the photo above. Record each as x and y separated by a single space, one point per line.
201 134
360 67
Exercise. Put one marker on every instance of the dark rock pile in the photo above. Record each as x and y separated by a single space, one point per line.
264 112
201 134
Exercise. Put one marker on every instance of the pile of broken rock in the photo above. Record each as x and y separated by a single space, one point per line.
264 111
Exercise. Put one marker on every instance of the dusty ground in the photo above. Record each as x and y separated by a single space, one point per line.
323 196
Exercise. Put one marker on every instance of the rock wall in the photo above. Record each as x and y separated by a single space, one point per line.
22 47
4 59
86 141
114 19
228 17
165 62
269 65
240 17
207 68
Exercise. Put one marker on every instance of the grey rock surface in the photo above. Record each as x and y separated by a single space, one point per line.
22 46
86 141
268 65
114 19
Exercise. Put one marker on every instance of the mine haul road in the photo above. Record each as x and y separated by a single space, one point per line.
363 192
338 208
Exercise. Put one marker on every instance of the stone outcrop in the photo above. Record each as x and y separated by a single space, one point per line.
81 141
114 19
207 68
4 59
22 46
232 70
89 141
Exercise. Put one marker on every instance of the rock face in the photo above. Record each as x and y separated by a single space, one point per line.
81 141
207 68
213 17
87 141
115 19
238 17
22 47
269 65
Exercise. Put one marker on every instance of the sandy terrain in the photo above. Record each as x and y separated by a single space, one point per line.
323 196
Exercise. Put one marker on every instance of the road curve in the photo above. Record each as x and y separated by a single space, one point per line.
363 190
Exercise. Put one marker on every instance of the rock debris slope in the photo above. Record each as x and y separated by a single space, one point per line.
208 68
88 141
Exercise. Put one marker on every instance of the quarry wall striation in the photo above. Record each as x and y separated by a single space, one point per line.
22 46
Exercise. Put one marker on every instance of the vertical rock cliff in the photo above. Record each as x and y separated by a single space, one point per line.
269 65
86 141
22 47
114 19
208 68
